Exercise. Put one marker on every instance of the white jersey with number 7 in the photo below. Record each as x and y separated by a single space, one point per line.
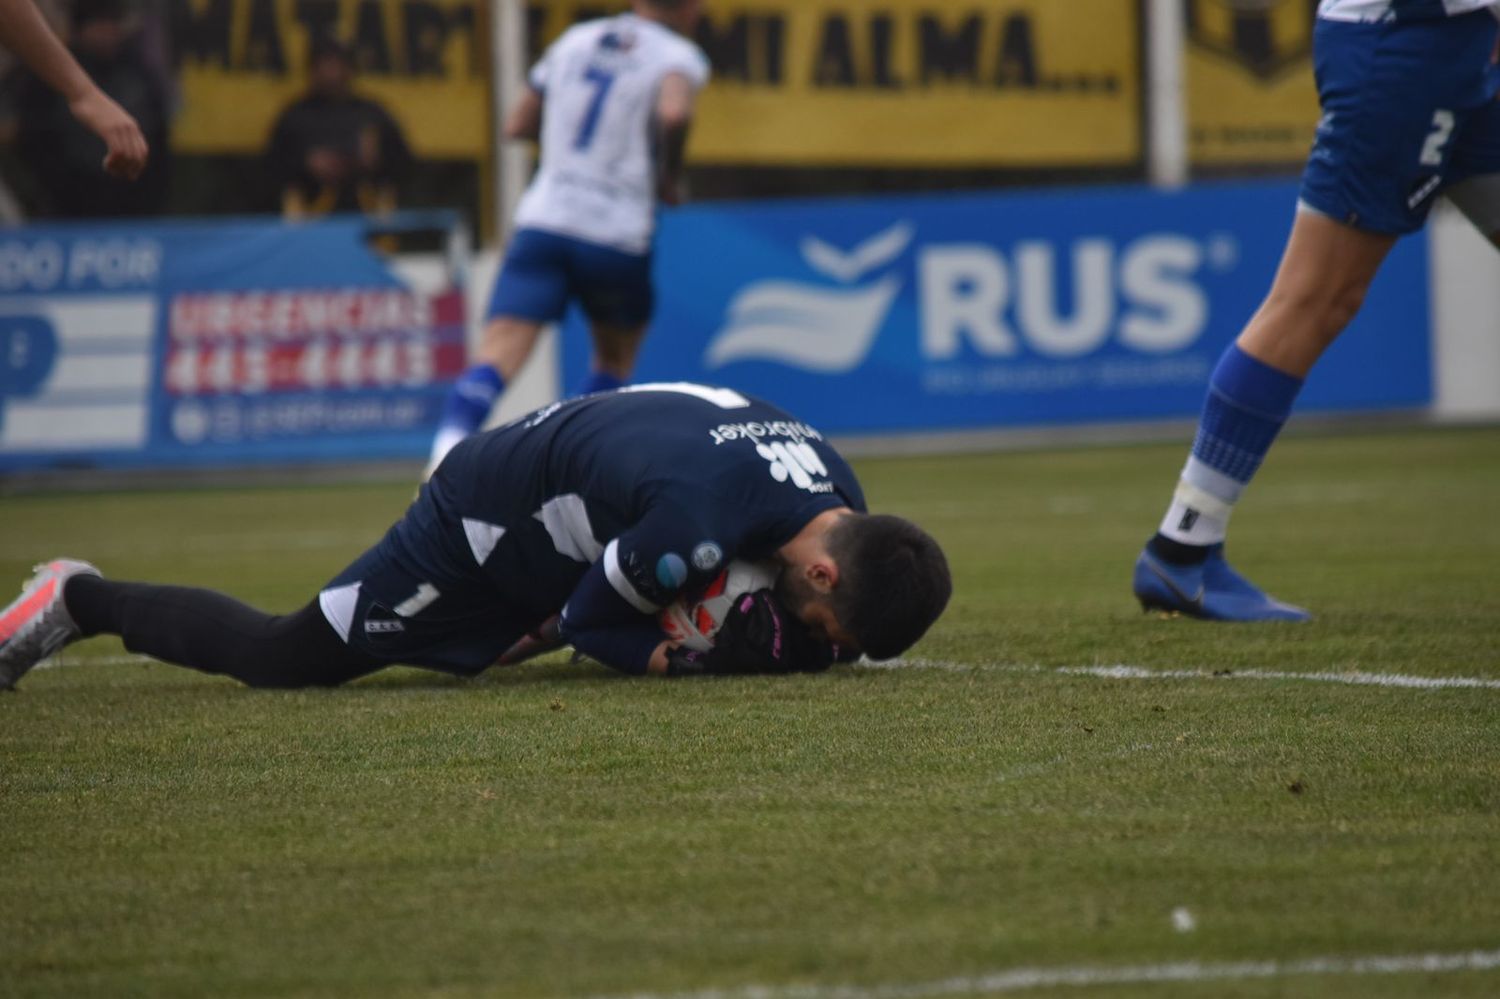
599 84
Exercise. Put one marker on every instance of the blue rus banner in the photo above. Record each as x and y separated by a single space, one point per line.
1014 310
216 343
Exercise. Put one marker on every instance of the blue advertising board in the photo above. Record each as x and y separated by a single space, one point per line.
222 342
944 312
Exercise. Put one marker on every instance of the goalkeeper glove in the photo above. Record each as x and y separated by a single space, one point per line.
759 635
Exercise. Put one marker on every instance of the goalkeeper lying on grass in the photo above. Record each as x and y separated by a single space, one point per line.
576 525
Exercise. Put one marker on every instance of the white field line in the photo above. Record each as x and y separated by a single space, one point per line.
1356 678
64 659
1020 979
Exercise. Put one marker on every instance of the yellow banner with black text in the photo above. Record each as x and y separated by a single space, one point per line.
922 83
242 61
1018 83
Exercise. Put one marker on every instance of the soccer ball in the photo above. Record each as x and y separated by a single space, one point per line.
693 619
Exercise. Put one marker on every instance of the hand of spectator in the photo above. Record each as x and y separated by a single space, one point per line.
126 150
328 166
369 149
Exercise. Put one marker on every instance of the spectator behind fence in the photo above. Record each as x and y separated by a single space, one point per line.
333 151
63 151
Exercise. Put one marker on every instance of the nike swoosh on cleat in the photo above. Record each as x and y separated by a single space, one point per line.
1196 600
25 609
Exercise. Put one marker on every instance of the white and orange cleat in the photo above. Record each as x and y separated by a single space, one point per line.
37 624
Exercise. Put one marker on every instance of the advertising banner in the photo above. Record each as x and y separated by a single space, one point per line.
242 61
1001 310
1024 83
1021 83
228 342
1251 97
884 83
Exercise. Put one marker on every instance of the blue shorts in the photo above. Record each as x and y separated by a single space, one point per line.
418 598
449 592
1408 109
544 271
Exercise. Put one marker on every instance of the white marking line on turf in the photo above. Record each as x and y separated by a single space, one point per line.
67 660
1020 979
1354 678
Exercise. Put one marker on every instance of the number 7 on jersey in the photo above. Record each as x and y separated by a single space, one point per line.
602 81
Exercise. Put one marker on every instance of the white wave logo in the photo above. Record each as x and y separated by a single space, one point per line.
874 252
822 329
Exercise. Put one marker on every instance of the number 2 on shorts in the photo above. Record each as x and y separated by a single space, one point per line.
1437 140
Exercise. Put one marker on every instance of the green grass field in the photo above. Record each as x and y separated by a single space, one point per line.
559 830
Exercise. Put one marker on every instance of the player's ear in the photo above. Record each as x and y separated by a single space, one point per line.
823 574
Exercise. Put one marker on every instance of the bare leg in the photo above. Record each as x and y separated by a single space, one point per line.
616 348
615 351
1325 272
507 343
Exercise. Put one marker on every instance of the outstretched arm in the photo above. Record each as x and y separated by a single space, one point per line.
24 32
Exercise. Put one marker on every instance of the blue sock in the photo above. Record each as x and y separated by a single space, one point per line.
467 407
599 381
1248 402
472 397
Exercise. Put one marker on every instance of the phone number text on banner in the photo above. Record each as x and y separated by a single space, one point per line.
215 343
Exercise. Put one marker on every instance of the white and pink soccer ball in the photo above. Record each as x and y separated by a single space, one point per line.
692 620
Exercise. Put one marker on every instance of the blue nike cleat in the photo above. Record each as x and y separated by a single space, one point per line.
1211 590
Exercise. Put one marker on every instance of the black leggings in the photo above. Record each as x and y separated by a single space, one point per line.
214 633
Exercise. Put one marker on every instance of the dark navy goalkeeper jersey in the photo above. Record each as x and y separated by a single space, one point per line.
613 504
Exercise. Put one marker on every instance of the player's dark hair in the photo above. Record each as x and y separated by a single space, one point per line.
893 581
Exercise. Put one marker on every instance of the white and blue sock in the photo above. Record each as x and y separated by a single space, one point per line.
467 407
1248 402
600 381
